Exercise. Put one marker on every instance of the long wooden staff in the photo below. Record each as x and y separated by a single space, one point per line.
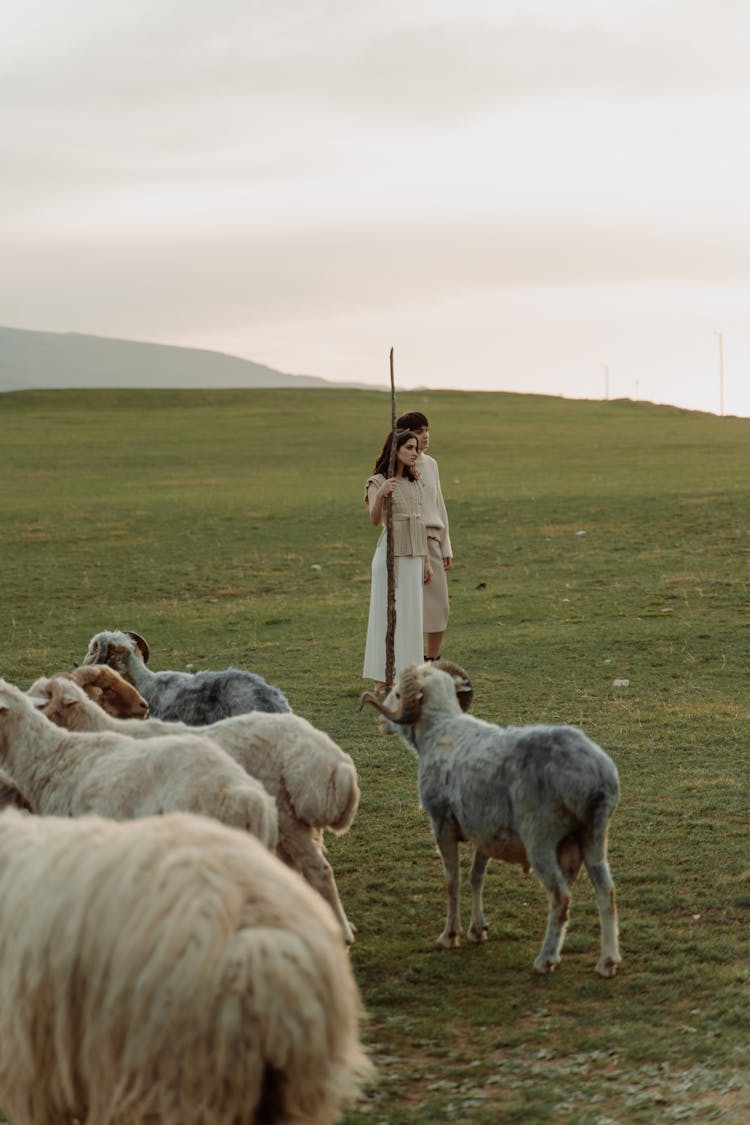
390 632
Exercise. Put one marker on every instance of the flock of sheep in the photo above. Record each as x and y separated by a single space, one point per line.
186 959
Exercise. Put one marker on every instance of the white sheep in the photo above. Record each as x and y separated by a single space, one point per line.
170 970
186 697
313 781
540 796
113 775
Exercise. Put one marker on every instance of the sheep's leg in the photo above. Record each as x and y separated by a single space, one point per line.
301 851
595 858
477 931
548 871
321 877
447 837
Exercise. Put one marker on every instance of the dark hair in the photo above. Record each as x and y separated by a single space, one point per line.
383 462
414 420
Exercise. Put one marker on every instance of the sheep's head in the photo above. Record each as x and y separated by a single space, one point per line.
403 704
56 697
115 649
110 691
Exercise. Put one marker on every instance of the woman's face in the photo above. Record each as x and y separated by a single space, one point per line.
407 453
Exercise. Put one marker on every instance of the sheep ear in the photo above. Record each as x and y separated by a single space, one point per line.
37 701
140 644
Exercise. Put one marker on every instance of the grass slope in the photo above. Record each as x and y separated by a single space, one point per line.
596 543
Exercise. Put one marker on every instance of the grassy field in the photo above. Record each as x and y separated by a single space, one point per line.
601 578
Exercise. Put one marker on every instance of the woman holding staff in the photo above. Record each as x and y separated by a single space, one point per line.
412 565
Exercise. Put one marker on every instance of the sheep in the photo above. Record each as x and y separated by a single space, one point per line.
110 690
10 795
540 796
313 782
169 970
197 698
124 778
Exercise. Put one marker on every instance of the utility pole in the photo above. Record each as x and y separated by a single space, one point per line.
721 373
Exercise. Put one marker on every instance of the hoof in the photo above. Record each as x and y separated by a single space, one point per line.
607 967
477 936
448 941
541 965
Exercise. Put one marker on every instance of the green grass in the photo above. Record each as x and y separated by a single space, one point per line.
199 519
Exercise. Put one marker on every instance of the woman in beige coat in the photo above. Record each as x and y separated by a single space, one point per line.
411 563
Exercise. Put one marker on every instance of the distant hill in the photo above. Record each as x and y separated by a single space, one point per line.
49 360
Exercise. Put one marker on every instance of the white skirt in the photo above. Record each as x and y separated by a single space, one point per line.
408 646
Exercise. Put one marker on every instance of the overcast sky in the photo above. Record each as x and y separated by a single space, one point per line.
528 195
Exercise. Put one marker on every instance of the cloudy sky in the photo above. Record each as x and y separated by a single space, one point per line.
522 195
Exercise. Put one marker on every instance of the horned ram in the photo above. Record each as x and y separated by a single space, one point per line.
197 698
540 796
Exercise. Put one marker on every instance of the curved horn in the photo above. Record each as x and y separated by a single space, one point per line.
410 699
411 696
464 689
368 697
139 644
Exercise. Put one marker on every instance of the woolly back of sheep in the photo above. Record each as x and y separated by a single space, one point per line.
168 969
